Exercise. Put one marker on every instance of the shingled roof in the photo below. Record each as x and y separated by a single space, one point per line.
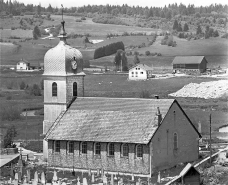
143 66
188 59
126 120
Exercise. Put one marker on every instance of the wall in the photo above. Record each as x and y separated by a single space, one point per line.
164 154
90 161
80 86
223 129
140 76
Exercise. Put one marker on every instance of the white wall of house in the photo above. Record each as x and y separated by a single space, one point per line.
22 66
137 73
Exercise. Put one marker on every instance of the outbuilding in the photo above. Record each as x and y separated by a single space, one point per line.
140 72
190 63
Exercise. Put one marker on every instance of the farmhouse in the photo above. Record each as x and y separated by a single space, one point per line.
140 72
190 63
23 65
128 135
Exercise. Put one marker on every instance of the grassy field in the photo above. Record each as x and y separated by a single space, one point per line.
7 33
109 85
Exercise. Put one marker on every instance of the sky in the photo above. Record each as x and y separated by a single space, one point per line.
149 3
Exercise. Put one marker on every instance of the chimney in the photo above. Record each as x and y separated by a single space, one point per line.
199 127
159 116
156 96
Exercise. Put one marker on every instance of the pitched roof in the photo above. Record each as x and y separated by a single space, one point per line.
126 120
188 59
143 66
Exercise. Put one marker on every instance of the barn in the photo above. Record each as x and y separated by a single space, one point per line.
140 72
127 135
190 63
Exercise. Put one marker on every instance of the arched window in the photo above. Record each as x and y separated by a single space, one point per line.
75 89
175 141
54 89
125 150
57 146
111 149
97 149
139 150
84 147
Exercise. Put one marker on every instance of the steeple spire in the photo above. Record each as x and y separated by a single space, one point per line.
62 34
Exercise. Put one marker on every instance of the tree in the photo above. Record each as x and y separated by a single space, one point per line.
179 27
198 30
216 34
8 138
136 58
186 28
175 25
124 61
39 9
36 33
118 59
50 9
22 85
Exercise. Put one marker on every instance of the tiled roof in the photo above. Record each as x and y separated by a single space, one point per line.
188 59
143 66
127 120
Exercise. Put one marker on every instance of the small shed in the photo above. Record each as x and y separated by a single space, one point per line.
23 65
190 63
223 129
189 175
140 72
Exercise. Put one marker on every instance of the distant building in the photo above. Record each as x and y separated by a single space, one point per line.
23 65
140 72
190 63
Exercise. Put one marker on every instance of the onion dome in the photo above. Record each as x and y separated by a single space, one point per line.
63 59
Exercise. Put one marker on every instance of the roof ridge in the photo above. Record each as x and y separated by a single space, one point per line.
126 98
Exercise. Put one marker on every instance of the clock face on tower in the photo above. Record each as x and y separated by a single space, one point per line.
74 64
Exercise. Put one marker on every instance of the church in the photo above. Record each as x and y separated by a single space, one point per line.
119 135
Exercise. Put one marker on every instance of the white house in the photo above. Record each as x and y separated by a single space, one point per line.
22 65
140 72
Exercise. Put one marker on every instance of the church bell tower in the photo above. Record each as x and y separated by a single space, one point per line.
63 81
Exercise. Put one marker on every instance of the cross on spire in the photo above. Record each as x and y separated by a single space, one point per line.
62 34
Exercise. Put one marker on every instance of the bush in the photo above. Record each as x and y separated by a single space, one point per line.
144 94
9 85
10 113
147 53
83 18
22 85
42 84
8 138
35 90
9 97
78 20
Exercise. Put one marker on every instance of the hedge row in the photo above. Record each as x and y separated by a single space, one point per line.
108 50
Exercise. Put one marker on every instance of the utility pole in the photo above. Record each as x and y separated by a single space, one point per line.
210 141
26 128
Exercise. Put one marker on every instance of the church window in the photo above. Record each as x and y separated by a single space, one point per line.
75 89
175 139
125 150
54 89
111 149
139 150
71 147
57 146
141 72
97 148
84 147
